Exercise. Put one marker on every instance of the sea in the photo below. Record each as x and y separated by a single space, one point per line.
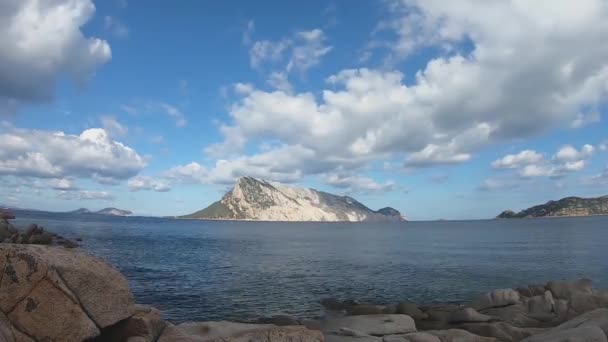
224 270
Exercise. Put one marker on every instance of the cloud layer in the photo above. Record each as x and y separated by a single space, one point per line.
41 43
42 154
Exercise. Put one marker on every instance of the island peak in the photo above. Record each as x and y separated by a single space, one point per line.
257 199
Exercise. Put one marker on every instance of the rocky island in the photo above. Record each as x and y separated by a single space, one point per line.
256 199
569 206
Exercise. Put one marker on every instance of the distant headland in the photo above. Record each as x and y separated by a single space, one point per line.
105 211
569 206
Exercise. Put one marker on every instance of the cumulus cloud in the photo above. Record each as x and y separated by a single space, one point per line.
530 164
147 183
43 154
358 184
503 71
42 42
284 164
62 184
523 158
85 195
567 153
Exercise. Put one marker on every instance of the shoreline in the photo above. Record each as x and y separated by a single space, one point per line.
81 297
101 295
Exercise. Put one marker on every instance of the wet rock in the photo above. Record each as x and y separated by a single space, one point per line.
279 320
441 312
413 337
44 238
580 334
581 302
32 229
565 289
516 315
349 335
541 306
598 318
496 298
332 304
375 325
365 309
468 315
237 332
502 331
458 335
145 325
412 310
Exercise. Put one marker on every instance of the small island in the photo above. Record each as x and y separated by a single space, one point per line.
569 206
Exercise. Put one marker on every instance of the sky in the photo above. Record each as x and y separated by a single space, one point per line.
442 110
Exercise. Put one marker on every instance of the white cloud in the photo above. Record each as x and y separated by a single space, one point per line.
113 127
85 195
299 52
266 51
189 173
41 44
44 154
521 159
62 184
147 183
567 153
503 71
603 146
358 184
530 164
115 26
308 49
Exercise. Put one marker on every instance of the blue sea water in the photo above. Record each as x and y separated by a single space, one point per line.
212 270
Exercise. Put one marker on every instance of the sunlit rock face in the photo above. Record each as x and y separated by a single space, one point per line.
255 199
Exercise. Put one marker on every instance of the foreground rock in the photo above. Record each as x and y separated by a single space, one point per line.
54 294
238 332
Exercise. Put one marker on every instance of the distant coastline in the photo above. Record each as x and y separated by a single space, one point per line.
565 207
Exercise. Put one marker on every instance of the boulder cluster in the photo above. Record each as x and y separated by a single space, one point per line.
31 234
49 293
557 311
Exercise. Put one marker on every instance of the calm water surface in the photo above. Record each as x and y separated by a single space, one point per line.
202 270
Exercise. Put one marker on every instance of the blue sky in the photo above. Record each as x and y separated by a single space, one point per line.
452 111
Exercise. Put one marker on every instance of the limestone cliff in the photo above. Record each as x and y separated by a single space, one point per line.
255 199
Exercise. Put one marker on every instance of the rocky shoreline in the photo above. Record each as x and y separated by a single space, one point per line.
53 293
